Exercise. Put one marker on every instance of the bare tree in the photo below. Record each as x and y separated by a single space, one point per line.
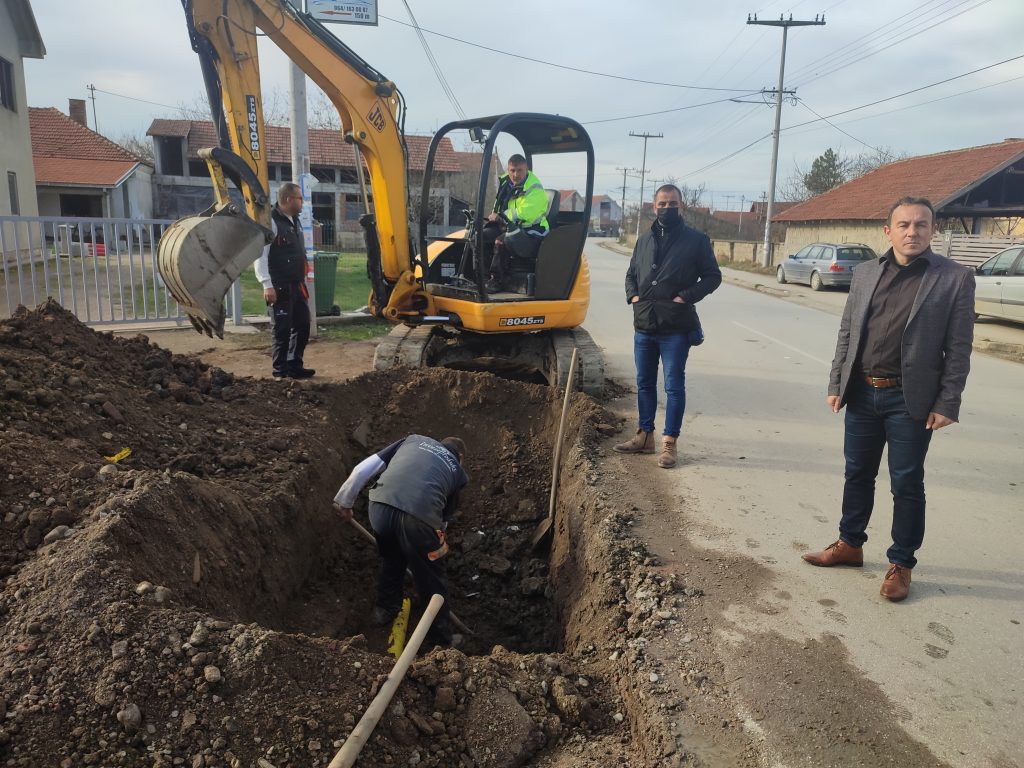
321 113
830 169
140 146
276 109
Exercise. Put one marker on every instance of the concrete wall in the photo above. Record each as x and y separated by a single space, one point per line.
16 144
800 233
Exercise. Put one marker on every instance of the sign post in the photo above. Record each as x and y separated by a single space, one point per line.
306 183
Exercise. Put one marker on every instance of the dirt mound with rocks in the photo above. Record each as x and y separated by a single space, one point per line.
177 591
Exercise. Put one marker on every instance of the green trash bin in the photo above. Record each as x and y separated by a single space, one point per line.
325 273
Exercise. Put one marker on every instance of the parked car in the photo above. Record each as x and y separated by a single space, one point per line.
823 265
1000 285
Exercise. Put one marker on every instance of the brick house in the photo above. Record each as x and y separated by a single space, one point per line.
182 183
81 173
977 190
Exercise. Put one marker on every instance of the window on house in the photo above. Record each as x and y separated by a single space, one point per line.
7 85
169 149
322 173
285 172
12 188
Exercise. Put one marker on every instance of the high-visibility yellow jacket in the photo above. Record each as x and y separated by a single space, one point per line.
524 207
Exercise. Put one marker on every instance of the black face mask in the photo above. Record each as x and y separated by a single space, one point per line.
668 217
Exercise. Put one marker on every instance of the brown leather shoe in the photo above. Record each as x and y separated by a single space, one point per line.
897 583
668 453
641 442
839 553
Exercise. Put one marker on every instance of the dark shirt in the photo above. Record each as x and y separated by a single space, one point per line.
882 345
423 478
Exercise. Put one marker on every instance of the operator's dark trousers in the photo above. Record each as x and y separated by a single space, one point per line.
289 321
876 418
404 542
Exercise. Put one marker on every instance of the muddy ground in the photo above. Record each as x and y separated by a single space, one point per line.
196 603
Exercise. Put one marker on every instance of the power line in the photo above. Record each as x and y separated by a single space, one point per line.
929 101
907 93
841 51
888 44
562 66
144 101
859 141
662 112
433 63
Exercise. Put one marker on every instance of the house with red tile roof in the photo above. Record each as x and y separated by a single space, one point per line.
19 40
977 190
81 173
182 183
569 200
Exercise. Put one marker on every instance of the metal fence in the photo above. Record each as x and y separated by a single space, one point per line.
101 270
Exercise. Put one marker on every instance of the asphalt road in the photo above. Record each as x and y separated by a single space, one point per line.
762 466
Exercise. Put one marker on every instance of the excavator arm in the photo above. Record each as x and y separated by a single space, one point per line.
201 256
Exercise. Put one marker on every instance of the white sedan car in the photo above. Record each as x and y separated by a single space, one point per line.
1000 285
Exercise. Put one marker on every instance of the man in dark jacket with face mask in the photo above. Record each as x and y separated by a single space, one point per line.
672 268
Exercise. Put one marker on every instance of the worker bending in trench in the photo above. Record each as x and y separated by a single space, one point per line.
411 504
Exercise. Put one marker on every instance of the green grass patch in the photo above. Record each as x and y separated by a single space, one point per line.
351 285
371 329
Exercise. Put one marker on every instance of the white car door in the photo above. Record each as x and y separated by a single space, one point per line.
989 282
1013 291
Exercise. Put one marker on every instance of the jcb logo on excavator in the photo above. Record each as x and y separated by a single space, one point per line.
518 321
376 118
254 127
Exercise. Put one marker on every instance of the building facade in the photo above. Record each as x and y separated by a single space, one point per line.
19 40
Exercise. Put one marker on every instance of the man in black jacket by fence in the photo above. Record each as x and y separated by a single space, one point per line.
672 268
281 269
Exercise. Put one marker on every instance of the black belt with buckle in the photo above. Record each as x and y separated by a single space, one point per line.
879 382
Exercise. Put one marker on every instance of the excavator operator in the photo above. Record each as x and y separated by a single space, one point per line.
517 224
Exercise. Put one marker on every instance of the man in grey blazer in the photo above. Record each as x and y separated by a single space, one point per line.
901 363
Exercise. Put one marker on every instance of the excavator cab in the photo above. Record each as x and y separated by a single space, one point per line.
456 264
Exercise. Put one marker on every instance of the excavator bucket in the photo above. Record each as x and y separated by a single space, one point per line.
201 256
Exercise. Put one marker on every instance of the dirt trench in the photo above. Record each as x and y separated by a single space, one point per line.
197 603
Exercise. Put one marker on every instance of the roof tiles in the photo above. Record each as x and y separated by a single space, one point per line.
941 177
66 152
326 146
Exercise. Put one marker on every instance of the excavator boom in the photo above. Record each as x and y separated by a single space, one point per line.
200 256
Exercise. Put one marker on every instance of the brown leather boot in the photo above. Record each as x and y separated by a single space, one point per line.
641 442
896 585
839 553
668 453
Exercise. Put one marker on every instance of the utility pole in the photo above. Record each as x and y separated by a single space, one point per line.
92 92
785 24
300 175
727 199
643 170
625 172
739 227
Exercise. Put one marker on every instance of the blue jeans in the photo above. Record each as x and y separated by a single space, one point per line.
874 418
672 349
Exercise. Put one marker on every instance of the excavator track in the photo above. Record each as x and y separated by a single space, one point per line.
541 357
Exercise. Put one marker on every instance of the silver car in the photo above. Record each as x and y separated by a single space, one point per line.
822 265
999 284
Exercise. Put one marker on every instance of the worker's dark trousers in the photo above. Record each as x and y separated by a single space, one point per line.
404 542
289 320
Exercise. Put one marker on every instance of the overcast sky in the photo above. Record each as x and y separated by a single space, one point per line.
867 51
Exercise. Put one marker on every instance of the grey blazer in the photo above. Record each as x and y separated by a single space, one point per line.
936 353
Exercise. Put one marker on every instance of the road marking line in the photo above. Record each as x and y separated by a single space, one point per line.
826 363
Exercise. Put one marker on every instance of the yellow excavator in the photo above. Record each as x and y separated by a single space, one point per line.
432 287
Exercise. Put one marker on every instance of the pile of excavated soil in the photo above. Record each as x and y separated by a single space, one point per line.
196 602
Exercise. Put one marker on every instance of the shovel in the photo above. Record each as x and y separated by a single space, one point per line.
544 529
456 621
